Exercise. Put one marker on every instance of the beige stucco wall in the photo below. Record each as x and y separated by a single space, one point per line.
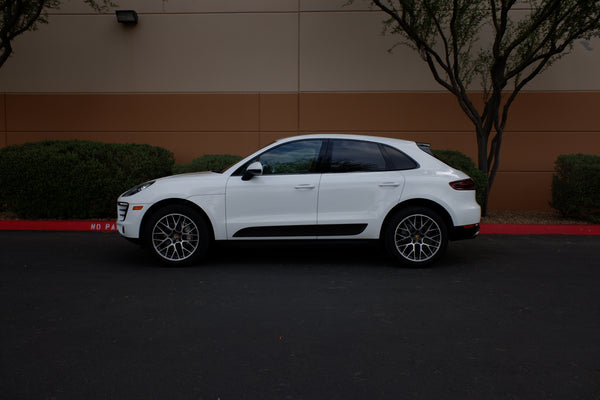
237 46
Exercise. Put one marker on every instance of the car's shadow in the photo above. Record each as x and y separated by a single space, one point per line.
293 254
297 253
223 254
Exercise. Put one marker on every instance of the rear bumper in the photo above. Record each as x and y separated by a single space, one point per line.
465 232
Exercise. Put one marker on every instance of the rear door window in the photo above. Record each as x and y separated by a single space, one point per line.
355 156
362 156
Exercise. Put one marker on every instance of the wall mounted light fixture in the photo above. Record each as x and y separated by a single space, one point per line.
128 17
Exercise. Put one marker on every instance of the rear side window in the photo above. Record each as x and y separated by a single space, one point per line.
356 156
360 156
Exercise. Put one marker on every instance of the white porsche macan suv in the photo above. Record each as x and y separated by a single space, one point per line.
320 187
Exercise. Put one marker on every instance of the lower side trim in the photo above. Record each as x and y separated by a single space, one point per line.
302 230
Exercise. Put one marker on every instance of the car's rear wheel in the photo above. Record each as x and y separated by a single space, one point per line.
416 236
177 235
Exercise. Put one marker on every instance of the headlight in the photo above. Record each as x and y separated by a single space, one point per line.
138 188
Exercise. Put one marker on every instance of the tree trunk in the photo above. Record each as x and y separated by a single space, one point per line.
482 160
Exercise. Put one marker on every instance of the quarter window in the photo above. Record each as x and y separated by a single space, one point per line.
398 159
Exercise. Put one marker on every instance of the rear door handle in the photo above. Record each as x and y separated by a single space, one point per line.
389 184
304 186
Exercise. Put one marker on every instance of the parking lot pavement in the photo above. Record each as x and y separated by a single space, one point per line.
89 315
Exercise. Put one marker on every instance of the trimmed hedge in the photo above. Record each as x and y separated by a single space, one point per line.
460 161
576 186
208 162
75 179
82 179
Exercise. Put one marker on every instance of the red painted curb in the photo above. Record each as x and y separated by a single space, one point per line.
530 229
486 229
92 226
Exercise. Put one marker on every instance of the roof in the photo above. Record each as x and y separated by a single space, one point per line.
379 139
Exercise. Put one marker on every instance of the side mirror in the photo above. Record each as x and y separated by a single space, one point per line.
254 169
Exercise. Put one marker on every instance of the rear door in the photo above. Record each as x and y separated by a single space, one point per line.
361 184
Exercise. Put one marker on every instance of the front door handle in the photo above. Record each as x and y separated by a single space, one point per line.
304 186
389 184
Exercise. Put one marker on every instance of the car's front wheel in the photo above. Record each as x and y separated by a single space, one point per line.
177 235
416 236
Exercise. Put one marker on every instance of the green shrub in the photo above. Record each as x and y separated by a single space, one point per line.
208 162
576 186
460 161
75 179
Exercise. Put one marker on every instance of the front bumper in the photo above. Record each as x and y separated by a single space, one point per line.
130 219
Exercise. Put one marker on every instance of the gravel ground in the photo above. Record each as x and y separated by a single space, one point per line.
5 215
528 217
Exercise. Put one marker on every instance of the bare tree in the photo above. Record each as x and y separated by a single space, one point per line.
19 16
451 37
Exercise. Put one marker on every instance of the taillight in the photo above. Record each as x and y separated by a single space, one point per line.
463 184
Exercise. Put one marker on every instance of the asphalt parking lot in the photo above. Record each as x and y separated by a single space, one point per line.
91 316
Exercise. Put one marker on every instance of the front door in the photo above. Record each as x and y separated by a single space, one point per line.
282 201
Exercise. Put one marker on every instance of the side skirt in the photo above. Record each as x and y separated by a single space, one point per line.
302 230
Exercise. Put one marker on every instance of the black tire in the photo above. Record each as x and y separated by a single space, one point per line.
177 235
416 236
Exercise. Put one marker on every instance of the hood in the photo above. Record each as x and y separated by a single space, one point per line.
182 186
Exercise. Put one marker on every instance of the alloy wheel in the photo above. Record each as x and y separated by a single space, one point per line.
418 238
175 237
